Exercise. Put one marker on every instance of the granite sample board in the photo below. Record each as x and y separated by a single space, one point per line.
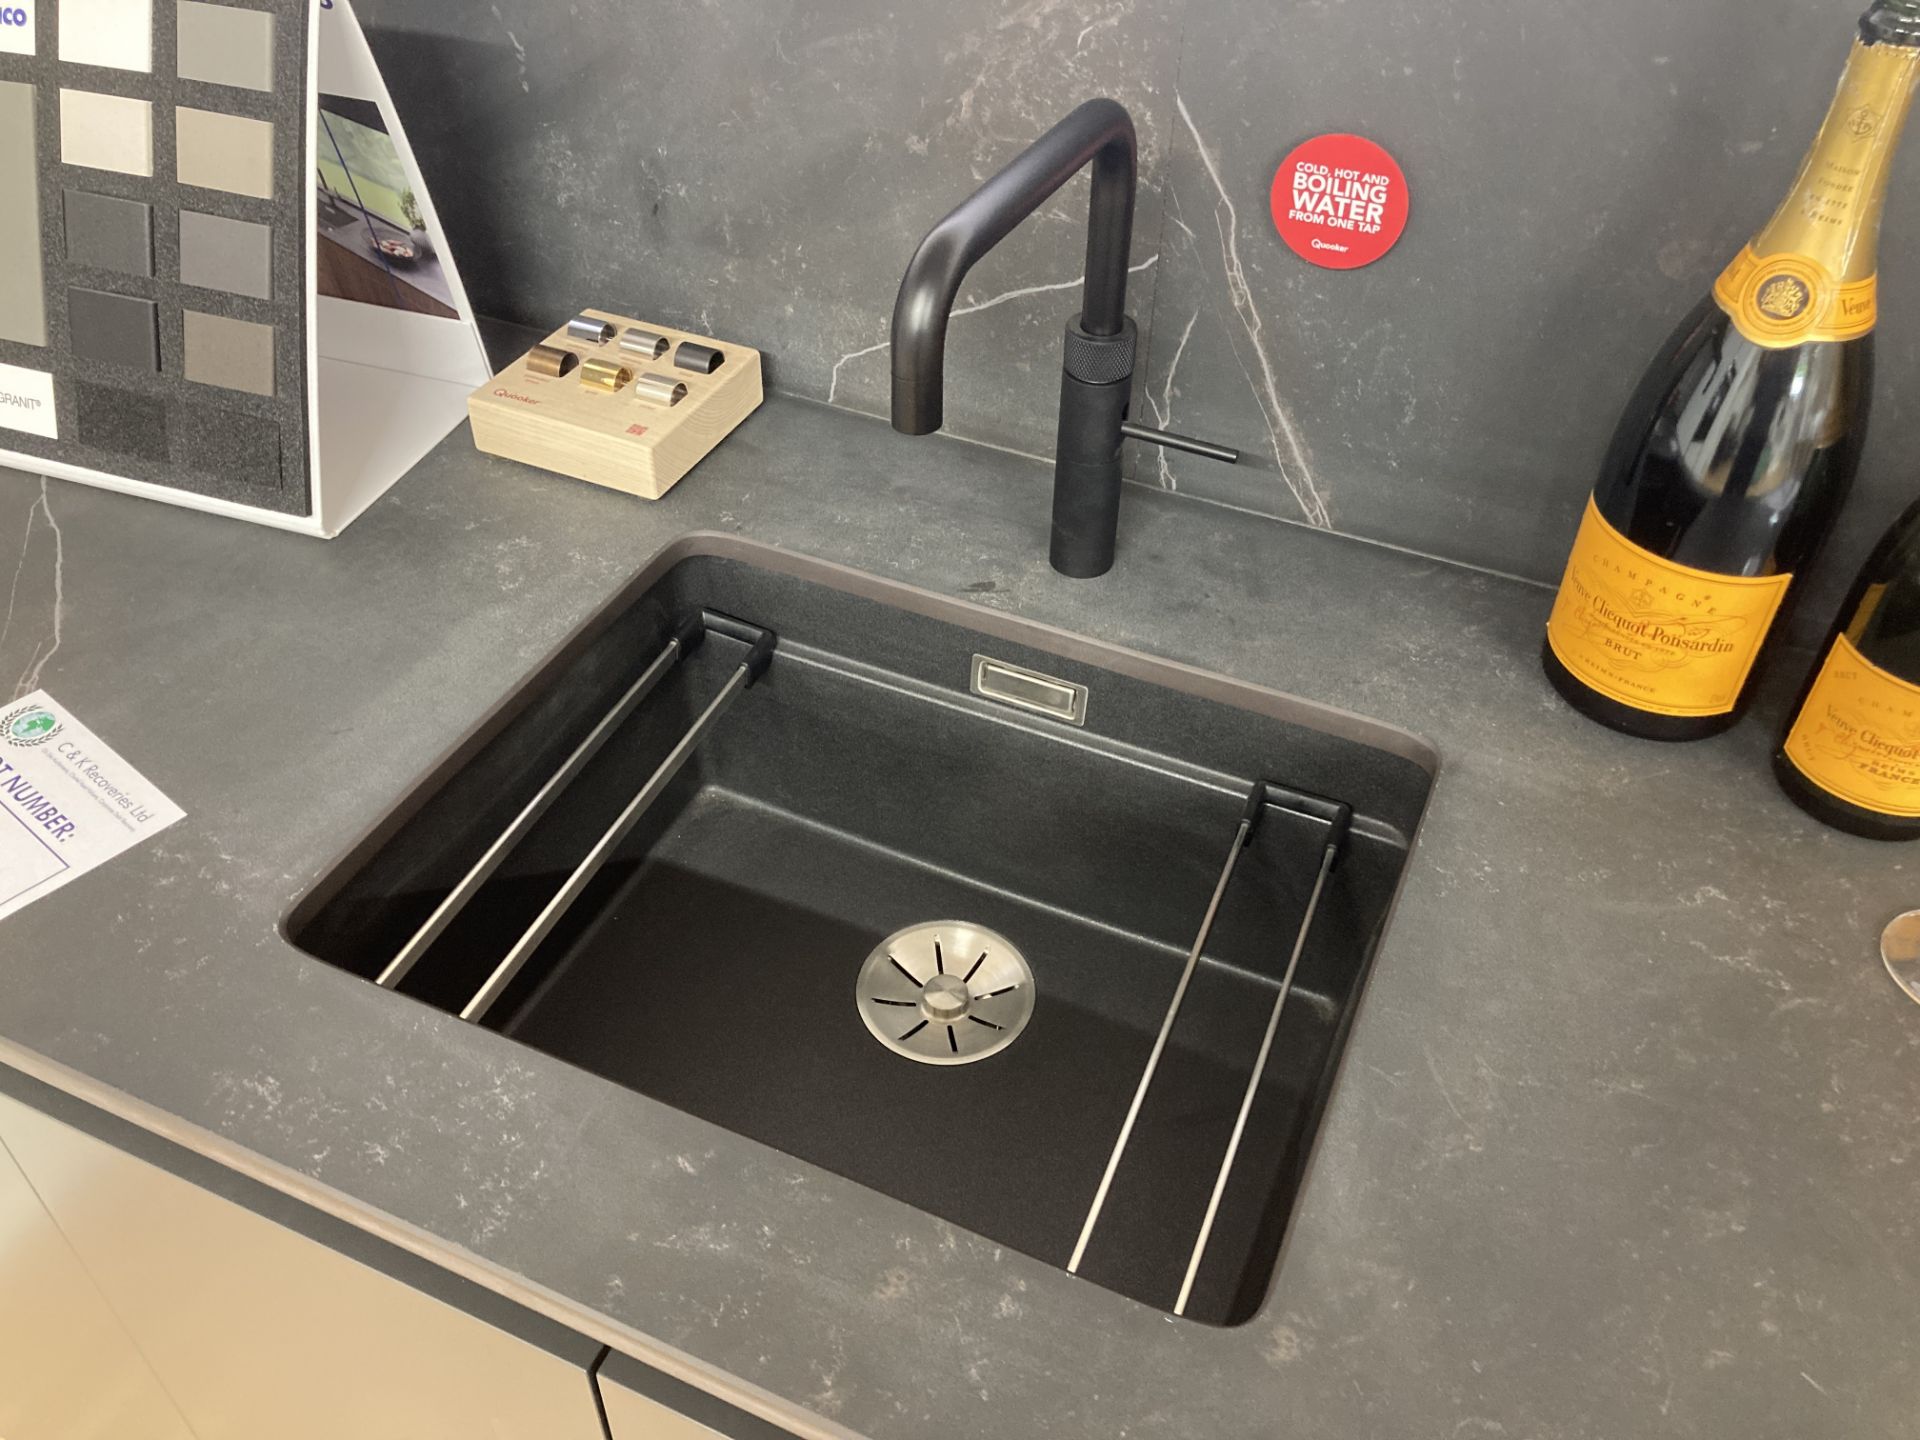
121 117
159 325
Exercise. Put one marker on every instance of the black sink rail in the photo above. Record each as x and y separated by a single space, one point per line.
685 639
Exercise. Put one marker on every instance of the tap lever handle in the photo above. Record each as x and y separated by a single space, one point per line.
1146 433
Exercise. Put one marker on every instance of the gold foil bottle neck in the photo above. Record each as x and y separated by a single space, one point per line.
1809 275
1832 214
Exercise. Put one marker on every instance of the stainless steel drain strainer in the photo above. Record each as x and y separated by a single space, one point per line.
945 992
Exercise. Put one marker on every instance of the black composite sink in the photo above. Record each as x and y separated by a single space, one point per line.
858 788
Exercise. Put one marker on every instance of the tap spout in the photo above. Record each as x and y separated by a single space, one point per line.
1099 131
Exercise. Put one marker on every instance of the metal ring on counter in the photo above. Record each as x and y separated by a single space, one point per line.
590 330
647 344
551 361
608 375
701 359
659 389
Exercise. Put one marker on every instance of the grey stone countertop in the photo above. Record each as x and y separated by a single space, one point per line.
1626 1143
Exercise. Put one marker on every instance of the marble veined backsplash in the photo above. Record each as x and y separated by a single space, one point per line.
1579 173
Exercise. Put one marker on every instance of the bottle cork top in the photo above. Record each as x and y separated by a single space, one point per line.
1892 22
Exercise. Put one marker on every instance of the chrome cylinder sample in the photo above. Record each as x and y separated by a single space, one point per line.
592 331
647 344
658 389
551 361
608 375
701 359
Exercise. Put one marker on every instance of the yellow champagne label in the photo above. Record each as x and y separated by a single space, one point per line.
1660 637
1858 735
1783 300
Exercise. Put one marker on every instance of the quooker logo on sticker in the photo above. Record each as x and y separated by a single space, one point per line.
1339 201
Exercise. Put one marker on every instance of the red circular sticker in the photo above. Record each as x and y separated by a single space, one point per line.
1339 201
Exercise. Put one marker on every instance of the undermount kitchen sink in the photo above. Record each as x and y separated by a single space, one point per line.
755 844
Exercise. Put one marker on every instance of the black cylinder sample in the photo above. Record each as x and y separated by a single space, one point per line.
701 359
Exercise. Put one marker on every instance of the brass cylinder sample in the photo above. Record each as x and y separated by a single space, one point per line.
592 331
647 344
551 361
658 389
607 375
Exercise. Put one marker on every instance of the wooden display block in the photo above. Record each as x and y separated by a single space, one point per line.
615 437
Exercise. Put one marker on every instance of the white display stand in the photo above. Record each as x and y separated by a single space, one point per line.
384 385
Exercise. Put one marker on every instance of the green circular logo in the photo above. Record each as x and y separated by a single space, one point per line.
31 725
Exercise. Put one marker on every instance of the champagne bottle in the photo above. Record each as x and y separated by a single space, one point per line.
1851 754
1734 454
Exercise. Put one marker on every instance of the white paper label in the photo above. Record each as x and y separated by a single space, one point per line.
26 401
16 27
67 801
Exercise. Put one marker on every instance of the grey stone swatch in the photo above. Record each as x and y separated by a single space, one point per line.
115 33
106 132
221 254
241 449
224 152
109 233
23 300
234 354
113 329
121 422
222 45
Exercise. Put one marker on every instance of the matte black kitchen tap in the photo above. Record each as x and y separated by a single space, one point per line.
1096 380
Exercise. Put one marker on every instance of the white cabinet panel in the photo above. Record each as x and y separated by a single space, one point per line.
632 1416
258 1331
643 1403
67 1369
